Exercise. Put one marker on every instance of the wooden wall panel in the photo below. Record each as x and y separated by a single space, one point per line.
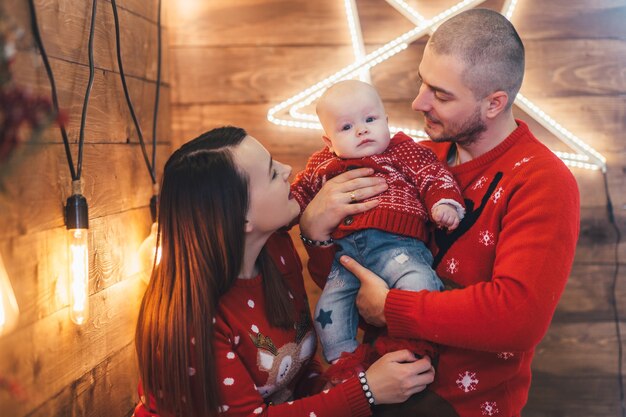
561 350
249 75
69 20
108 118
65 369
598 238
551 71
576 19
146 9
139 58
286 144
566 395
90 396
597 120
397 78
389 22
52 354
40 260
255 22
587 296
119 184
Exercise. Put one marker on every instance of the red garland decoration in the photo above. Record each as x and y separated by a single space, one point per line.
23 115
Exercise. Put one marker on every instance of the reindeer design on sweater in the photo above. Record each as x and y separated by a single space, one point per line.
284 362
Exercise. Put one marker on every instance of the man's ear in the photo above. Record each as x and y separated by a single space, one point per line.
496 103
328 142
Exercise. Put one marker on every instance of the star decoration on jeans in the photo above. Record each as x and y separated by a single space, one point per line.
323 317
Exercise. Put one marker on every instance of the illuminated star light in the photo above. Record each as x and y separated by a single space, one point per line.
585 157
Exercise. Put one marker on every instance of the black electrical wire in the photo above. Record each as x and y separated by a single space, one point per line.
55 100
613 293
151 169
37 35
158 89
83 118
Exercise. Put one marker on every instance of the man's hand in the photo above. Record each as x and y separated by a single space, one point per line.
372 294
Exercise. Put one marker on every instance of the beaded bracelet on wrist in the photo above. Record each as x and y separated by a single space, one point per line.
366 388
312 242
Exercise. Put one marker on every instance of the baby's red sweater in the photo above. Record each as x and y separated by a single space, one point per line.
417 182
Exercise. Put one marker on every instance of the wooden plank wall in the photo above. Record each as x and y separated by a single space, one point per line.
233 60
64 369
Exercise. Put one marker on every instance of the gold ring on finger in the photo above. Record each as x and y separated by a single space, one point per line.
352 197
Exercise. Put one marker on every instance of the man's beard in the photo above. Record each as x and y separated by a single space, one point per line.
464 134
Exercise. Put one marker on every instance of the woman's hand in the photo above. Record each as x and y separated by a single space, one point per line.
338 198
397 375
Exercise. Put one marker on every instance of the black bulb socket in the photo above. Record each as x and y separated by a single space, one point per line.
154 200
76 212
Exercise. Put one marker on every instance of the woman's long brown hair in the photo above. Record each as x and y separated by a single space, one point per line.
202 214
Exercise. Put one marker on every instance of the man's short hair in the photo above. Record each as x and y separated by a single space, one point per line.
489 46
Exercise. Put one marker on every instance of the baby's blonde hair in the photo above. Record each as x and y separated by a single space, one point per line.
342 88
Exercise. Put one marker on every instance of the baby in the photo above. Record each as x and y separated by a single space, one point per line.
389 239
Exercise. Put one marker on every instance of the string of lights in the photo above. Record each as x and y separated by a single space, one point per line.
76 207
76 213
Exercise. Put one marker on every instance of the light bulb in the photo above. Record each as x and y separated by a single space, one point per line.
147 252
9 311
78 256
79 275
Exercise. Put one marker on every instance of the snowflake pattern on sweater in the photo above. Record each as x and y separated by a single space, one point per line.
516 246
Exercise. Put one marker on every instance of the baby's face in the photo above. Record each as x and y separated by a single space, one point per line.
355 125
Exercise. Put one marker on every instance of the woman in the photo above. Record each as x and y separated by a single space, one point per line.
224 326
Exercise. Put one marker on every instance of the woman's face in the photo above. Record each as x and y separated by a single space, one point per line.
271 204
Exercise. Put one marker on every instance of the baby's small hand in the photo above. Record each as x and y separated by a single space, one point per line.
328 386
445 215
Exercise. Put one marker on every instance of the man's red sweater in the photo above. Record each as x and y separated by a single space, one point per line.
511 255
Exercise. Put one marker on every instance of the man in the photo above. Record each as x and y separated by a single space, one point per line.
510 257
